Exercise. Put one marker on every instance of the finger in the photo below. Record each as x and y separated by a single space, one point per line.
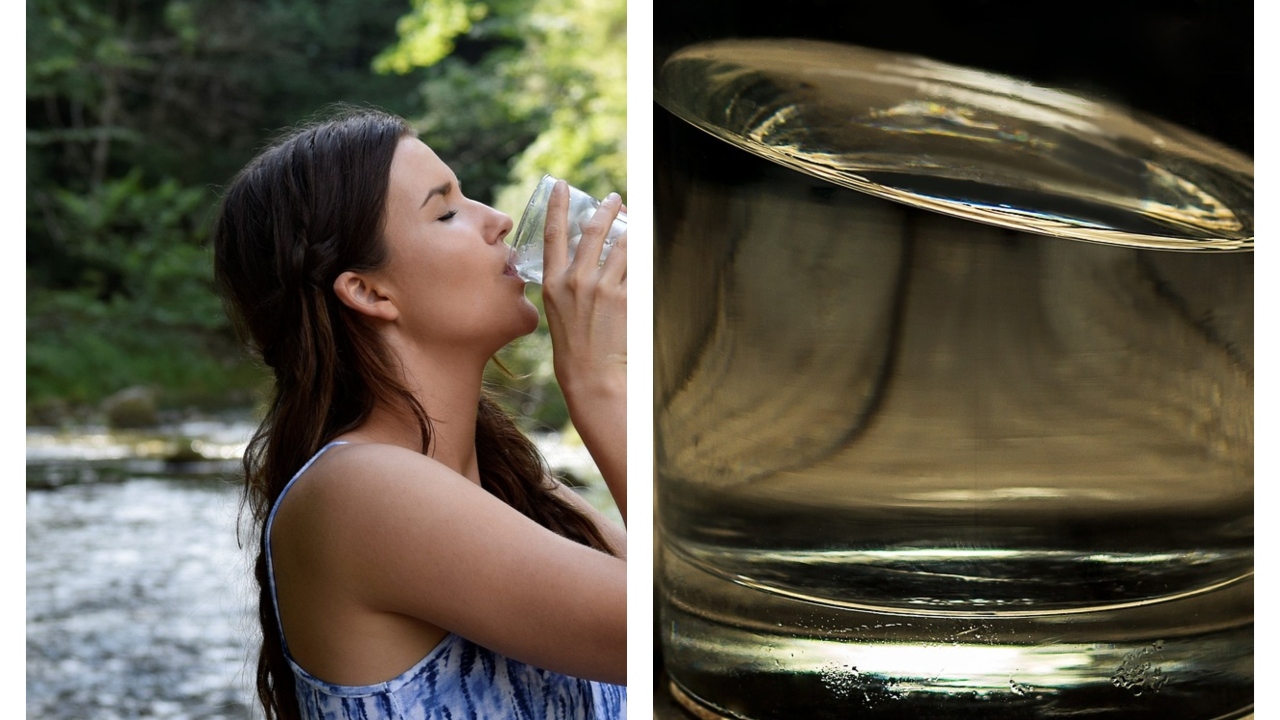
595 231
555 236
615 266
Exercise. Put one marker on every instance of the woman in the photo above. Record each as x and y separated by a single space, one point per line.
416 559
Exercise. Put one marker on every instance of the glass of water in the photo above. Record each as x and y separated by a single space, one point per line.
954 395
528 240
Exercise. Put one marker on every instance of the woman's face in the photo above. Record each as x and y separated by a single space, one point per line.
447 270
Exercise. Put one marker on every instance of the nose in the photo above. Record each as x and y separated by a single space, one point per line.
501 225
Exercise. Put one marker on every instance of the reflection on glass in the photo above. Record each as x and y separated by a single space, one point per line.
966 143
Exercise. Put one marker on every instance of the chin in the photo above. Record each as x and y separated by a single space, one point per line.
530 318
523 322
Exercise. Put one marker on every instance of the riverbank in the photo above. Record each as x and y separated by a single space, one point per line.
211 447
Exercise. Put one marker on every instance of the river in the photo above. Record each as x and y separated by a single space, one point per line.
138 597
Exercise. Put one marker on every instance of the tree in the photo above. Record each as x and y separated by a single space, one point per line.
524 87
136 113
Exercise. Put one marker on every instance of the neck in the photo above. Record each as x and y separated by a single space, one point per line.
447 385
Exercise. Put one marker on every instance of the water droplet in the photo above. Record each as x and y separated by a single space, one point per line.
1137 674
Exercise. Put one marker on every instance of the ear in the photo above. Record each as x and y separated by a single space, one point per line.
358 292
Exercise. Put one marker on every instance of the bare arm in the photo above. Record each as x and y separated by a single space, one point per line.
614 535
587 314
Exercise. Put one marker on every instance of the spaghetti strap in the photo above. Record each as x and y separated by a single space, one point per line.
266 540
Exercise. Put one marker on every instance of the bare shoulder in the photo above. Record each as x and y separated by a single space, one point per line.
404 534
356 472
359 496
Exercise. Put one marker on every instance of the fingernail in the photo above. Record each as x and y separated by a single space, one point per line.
613 197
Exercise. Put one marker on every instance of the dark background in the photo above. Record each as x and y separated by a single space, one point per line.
1188 61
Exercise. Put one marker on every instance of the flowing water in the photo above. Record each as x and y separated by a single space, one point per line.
138 598
137 594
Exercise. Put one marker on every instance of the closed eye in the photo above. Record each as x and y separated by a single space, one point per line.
447 216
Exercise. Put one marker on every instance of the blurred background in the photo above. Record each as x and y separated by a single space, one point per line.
138 396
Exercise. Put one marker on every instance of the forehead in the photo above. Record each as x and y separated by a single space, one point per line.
415 169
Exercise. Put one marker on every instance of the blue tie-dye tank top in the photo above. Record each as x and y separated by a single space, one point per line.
457 680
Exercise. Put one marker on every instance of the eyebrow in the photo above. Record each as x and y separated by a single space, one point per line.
438 190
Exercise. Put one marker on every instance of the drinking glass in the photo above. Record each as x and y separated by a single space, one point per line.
953 395
527 242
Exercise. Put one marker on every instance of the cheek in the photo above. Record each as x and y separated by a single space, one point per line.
458 307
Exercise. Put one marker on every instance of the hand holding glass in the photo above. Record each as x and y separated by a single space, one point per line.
527 244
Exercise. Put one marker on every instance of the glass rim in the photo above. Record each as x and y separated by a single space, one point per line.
899 126
533 209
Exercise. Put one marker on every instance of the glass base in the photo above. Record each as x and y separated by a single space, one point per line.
742 653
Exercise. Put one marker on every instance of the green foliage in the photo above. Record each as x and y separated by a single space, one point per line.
515 89
534 87
427 33
203 81
142 246
140 308
575 62
137 112
73 47
470 125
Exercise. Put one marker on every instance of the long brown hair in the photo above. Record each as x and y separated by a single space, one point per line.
305 210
